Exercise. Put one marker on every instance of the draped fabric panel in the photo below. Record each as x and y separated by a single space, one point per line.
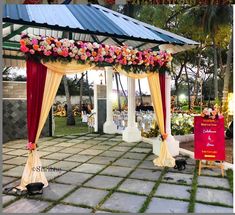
48 76
163 94
36 78
157 89
165 158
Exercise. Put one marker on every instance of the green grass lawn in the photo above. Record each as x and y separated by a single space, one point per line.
61 128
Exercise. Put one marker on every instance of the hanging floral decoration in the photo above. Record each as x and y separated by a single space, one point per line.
132 60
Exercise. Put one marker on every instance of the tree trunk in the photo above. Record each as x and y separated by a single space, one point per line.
70 117
196 78
89 92
141 98
226 81
123 91
187 79
215 68
118 92
81 91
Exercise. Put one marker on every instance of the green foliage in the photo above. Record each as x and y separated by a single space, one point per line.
230 179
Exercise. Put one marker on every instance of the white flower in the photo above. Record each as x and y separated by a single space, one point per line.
95 45
48 47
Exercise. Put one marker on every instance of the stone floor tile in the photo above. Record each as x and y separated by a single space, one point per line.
126 162
73 150
13 184
111 153
137 186
54 191
76 141
188 170
73 178
59 140
86 196
16 161
172 190
4 150
7 180
124 202
151 157
101 160
7 198
6 167
43 153
159 205
149 165
179 178
52 148
89 168
79 158
7 157
60 208
145 145
134 155
53 174
66 144
205 208
141 150
65 165
47 162
18 152
214 196
101 147
91 152
15 172
120 148
117 171
105 182
146 174
213 182
213 172
26 206
57 156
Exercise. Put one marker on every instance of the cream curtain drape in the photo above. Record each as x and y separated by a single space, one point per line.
165 158
54 75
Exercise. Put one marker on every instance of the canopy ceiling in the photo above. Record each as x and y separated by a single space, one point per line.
86 22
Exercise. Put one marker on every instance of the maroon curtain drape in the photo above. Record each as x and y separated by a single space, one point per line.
36 77
163 94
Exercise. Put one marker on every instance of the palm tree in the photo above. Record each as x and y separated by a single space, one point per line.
213 17
81 92
227 74
70 117
118 91
141 97
89 92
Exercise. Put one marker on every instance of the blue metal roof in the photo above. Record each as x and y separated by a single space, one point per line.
90 19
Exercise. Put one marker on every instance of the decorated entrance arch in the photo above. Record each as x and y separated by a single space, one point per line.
48 59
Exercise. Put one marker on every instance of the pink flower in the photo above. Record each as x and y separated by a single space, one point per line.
34 41
31 51
76 57
47 53
24 49
31 146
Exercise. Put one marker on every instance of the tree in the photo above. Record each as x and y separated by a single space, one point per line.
70 117
81 92
89 92
118 91
227 75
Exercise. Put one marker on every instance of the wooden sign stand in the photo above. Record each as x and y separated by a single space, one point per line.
209 165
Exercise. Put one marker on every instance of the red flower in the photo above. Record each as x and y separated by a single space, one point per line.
31 146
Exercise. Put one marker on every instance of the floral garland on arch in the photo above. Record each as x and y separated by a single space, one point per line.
132 60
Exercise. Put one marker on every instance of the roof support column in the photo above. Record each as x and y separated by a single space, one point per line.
109 126
173 144
131 133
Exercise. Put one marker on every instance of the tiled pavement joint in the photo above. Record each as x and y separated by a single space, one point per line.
193 191
148 200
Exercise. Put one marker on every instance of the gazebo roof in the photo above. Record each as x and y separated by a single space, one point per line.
89 22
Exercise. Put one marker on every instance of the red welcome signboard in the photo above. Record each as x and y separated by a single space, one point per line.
209 139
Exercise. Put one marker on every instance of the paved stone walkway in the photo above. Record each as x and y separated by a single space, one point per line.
101 173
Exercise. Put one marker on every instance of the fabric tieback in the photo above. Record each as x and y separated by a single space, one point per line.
31 146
